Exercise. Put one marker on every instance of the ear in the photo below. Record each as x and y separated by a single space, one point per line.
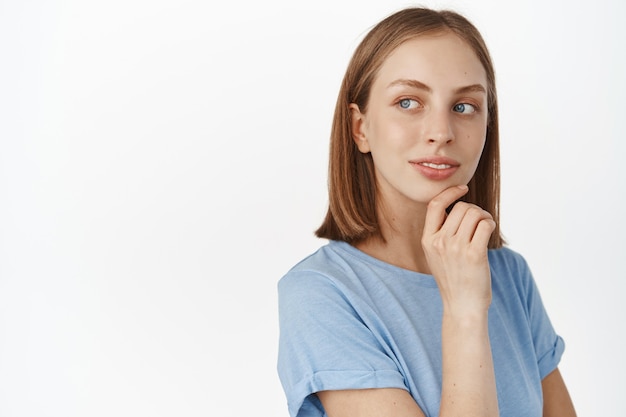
357 119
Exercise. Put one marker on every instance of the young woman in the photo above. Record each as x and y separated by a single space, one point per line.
414 307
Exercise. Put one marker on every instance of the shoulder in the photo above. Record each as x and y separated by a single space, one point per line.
506 261
509 269
333 264
321 260
335 277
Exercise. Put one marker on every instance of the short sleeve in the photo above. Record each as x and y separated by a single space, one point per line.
549 346
325 343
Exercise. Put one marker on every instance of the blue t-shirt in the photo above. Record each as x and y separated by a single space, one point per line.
350 321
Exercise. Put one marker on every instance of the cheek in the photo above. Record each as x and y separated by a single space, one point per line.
476 137
387 136
398 133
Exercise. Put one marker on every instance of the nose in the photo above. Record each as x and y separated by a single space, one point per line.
439 127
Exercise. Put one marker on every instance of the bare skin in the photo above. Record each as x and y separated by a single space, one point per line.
556 399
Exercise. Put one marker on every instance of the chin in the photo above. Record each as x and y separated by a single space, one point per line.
426 194
420 193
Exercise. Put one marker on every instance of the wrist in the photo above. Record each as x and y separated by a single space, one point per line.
466 317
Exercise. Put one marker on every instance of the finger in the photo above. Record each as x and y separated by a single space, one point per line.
436 213
483 232
454 219
472 218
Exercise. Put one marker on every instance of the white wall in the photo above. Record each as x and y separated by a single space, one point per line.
163 163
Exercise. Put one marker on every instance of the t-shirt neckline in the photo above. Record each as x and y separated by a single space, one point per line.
353 251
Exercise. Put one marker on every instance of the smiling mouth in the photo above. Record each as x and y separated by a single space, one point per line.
435 166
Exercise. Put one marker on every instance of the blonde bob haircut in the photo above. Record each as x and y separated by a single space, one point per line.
352 212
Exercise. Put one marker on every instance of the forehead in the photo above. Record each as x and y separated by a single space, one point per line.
435 58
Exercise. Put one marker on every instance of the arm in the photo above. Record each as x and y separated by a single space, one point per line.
380 402
456 246
556 399
463 384
456 250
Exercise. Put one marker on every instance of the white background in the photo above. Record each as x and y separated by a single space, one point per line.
163 163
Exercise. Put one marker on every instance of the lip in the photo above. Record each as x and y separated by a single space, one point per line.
435 167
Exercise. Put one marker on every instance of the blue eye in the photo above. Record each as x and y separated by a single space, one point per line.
407 103
464 108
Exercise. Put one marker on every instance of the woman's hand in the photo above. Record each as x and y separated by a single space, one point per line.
455 245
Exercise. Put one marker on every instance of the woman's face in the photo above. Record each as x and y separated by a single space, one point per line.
426 118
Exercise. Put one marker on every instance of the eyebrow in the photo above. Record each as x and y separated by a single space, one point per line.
410 83
474 88
421 86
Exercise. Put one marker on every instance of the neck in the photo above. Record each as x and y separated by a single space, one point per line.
401 228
